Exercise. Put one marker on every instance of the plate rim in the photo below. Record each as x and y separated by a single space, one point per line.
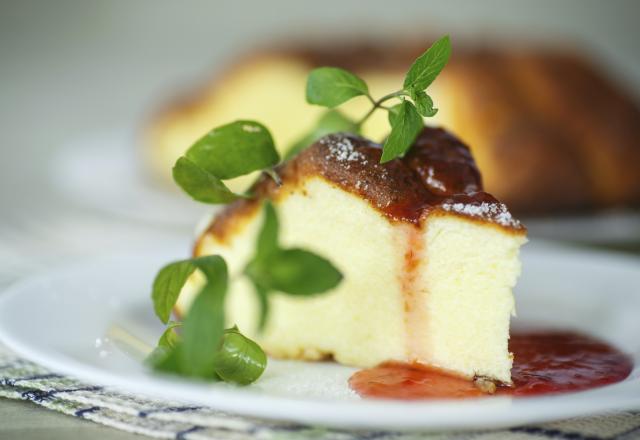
317 412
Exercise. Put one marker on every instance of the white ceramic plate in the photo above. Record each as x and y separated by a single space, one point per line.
61 320
109 164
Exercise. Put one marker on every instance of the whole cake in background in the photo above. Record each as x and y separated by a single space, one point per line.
567 137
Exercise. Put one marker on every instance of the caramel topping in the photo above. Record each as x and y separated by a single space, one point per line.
438 173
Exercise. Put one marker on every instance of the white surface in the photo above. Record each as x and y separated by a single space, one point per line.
57 318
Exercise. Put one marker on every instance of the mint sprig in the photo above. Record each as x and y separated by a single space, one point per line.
330 87
229 151
204 324
428 66
207 351
204 349
240 360
406 124
291 271
234 150
170 338
200 184
171 279
424 103
167 286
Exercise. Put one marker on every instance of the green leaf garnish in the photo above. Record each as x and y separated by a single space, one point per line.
332 121
263 302
204 324
240 360
165 360
300 272
267 242
407 125
205 350
167 287
234 150
424 104
170 338
428 65
292 271
394 114
332 86
170 281
200 184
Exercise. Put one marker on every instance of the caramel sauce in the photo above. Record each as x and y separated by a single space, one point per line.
546 362
437 174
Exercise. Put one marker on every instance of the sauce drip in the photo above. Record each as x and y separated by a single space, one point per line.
545 362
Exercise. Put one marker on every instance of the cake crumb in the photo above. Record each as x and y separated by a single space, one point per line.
485 385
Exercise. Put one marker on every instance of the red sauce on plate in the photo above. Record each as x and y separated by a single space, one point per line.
545 362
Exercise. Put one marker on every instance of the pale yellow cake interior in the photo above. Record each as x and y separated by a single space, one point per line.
451 311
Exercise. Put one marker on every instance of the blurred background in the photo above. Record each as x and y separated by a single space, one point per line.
91 94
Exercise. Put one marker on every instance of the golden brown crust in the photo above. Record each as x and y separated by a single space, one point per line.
437 176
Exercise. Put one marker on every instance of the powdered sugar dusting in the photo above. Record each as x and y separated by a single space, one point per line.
342 150
496 212
433 182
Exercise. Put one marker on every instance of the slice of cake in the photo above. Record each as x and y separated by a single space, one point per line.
428 258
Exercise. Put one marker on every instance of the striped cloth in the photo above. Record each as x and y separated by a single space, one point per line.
21 379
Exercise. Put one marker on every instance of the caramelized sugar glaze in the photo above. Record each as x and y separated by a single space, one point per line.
545 362
437 174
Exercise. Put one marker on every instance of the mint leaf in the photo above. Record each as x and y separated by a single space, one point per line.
165 360
170 281
423 103
167 286
170 338
393 114
234 149
263 303
331 86
291 271
201 185
300 272
266 245
204 324
428 65
267 242
332 121
406 125
240 359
